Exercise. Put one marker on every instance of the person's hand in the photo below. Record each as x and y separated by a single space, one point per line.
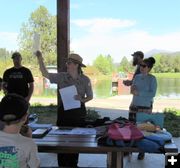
38 53
26 131
4 87
78 97
127 82
27 98
134 90
1 87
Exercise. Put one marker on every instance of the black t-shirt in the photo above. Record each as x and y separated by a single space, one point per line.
17 80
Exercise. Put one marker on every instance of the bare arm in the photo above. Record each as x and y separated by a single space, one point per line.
42 65
4 87
31 89
134 90
89 93
83 100
86 99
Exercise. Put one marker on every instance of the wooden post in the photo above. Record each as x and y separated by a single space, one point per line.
62 36
62 33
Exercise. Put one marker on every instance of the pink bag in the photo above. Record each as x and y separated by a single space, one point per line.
126 131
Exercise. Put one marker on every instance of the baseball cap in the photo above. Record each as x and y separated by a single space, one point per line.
16 54
13 107
138 53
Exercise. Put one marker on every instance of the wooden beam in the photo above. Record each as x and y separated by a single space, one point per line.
63 33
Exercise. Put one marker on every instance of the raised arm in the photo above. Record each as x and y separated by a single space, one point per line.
42 65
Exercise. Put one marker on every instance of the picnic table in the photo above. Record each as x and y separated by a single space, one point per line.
52 143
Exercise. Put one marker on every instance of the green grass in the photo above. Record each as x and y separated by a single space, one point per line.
48 115
158 75
172 121
167 75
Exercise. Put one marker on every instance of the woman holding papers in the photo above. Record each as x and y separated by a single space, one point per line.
70 113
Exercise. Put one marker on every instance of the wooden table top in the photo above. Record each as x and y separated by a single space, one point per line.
82 144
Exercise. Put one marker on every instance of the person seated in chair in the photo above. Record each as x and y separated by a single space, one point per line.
21 150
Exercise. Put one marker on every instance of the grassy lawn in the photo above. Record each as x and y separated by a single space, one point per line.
47 114
172 120
167 75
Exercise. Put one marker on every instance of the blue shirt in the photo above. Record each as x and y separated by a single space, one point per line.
146 86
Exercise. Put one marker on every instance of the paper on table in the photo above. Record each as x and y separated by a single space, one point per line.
67 95
84 131
74 131
36 42
60 132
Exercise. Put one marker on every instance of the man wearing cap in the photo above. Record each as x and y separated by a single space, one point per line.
16 150
74 117
18 79
137 59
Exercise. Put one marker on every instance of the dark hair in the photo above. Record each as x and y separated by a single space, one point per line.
1 80
13 107
149 62
80 70
16 54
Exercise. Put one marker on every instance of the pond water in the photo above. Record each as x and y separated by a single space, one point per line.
167 88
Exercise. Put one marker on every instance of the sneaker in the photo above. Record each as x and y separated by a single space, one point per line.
126 153
141 156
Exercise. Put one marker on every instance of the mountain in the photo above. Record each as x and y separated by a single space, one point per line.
156 51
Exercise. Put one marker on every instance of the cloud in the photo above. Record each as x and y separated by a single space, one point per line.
40 2
118 38
100 25
74 6
8 40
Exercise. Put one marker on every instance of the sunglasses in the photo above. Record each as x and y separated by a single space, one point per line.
143 65
69 62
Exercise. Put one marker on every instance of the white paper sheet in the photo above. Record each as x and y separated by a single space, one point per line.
36 42
67 95
74 131
60 132
84 131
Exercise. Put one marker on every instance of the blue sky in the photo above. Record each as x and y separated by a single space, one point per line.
115 27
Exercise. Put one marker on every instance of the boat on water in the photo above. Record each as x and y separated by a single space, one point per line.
118 88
